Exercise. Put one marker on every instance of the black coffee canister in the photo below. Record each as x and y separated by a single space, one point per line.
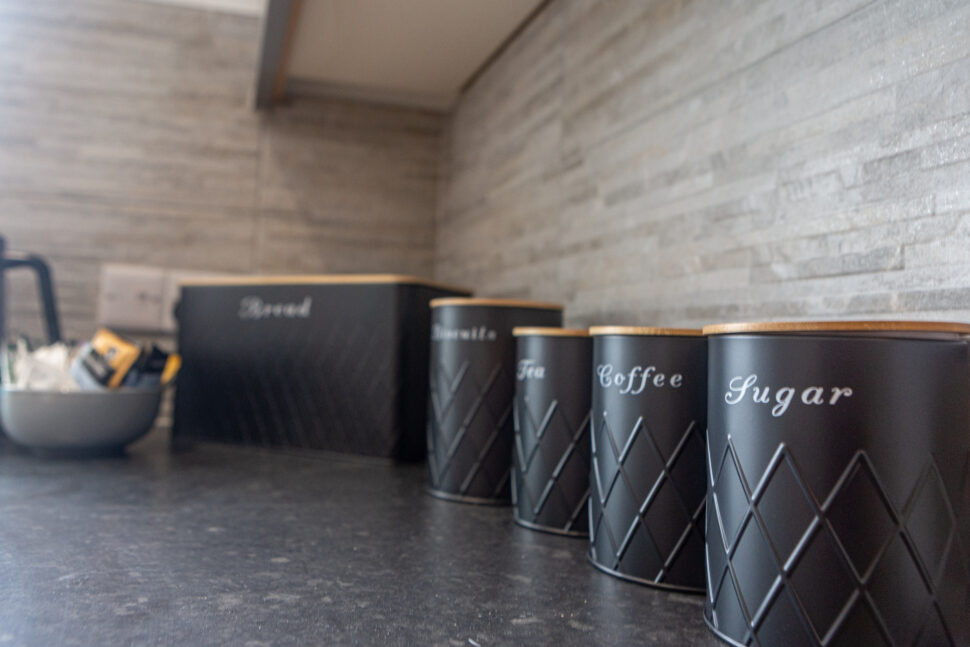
550 476
839 484
646 512
472 373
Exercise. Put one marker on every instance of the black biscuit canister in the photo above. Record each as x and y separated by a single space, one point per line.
839 484
550 478
646 511
470 431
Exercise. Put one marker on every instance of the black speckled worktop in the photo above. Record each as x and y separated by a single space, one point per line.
219 545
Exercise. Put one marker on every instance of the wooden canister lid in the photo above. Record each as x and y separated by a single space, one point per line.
524 331
644 330
946 327
495 303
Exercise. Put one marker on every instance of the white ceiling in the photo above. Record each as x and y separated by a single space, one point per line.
417 52
244 7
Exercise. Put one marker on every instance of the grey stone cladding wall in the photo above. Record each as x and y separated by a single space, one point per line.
686 162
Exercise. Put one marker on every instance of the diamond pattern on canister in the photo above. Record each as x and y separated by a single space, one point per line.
550 476
622 515
472 384
469 459
839 614
563 460
861 498
647 496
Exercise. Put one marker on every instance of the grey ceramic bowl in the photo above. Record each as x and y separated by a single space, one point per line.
78 420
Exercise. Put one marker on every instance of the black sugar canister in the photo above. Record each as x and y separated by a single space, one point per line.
646 512
550 477
839 483
470 431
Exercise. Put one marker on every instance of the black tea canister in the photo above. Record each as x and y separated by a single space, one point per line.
646 512
839 484
550 477
470 431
